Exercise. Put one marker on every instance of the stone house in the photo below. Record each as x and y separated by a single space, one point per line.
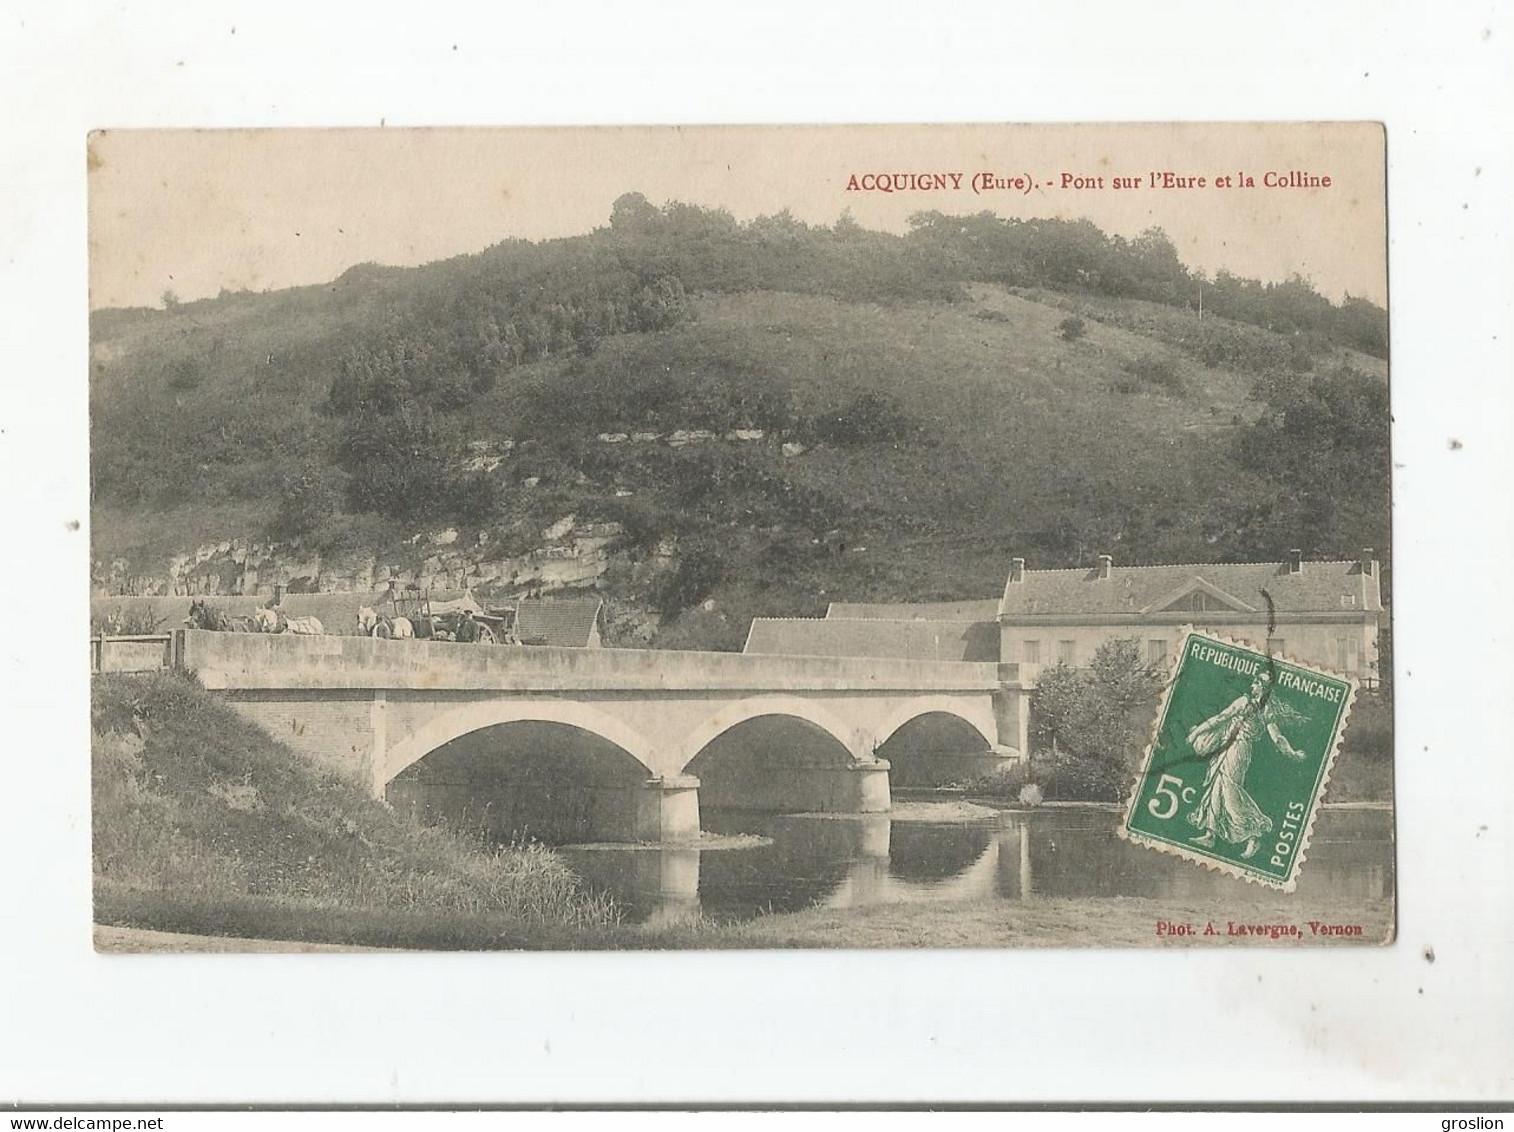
1323 613
1320 612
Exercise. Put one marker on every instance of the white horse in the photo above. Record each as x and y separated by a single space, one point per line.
372 624
274 621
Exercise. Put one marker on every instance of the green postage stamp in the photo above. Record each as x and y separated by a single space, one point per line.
1238 760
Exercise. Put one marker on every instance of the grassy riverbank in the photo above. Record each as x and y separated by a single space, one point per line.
204 824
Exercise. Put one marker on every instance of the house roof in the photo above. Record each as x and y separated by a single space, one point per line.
567 622
1320 587
905 640
986 609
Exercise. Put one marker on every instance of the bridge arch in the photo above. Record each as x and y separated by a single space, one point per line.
938 740
784 754
851 739
980 717
467 718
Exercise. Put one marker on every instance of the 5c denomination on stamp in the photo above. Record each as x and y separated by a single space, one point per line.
1238 760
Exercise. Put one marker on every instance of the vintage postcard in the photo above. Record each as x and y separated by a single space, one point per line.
780 537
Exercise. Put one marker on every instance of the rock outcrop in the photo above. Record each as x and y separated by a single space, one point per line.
572 554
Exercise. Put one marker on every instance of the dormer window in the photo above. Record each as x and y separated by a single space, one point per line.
1348 601
1201 602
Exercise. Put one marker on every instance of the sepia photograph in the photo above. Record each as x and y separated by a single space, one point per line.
741 537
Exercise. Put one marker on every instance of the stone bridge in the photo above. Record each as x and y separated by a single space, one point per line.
609 744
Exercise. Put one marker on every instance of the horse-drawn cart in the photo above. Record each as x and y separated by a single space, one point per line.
444 620
414 605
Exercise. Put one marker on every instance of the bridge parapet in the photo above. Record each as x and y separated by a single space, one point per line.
150 652
225 661
1013 674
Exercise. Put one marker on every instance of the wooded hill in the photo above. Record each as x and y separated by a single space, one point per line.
972 389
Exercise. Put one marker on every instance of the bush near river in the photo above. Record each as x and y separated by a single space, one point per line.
203 823
1089 728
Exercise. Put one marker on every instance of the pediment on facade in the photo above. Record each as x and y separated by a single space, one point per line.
1198 596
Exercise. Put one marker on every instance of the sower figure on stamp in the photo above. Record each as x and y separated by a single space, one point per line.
1226 810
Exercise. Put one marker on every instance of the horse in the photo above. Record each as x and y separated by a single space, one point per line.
372 624
203 615
275 621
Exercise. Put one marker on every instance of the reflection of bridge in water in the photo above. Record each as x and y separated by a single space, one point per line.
870 860
837 863
608 744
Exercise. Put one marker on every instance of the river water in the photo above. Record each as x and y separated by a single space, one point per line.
855 861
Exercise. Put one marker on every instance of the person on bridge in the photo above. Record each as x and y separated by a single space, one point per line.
467 628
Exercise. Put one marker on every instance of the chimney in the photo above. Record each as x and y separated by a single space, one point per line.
1369 564
1295 561
1016 570
1106 566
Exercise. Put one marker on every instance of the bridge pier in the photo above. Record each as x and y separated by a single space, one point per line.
667 808
864 788
1012 705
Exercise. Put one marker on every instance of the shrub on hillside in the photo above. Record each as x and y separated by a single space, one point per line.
407 465
307 500
1153 369
871 418
1319 455
1072 328
643 525
1248 349
472 498
699 571
346 533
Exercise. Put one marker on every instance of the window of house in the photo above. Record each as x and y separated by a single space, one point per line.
1339 659
1348 600
1199 602
1276 646
1067 652
1156 651
1030 652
